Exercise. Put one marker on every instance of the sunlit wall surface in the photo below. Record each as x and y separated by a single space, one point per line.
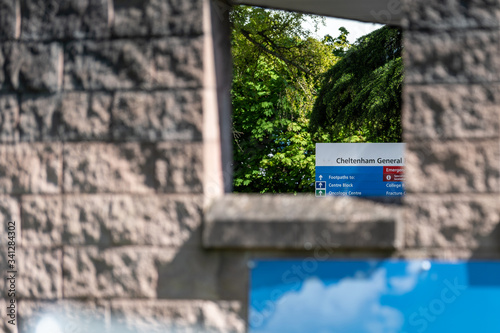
374 296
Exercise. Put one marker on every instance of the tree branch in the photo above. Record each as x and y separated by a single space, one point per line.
277 55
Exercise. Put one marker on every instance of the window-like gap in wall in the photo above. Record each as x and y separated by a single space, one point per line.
298 81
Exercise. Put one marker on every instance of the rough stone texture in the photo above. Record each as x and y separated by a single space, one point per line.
9 211
139 272
178 316
34 67
41 221
9 117
179 168
177 62
71 316
160 116
157 17
66 117
454 166
9 19
453 221
120 272
454 57
132 220
39 273
451 14
110 273
69 19
30 168
126 64
451 111
99 167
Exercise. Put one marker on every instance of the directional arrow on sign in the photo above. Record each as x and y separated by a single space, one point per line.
320 193
320 185
320 177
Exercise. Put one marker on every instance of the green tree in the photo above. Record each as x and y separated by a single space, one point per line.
277 66
360 97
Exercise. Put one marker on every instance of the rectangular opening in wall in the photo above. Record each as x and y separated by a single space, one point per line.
301 79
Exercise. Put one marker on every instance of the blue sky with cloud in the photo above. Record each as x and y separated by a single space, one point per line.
371 297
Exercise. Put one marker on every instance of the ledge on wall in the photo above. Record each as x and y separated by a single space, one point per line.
288 222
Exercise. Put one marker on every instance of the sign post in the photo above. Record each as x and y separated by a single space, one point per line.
360 169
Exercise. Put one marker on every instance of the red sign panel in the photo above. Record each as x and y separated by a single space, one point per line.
394 174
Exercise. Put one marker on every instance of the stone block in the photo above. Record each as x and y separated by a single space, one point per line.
9 19
134 64
41 221
70 316
160 116
70 19
30 168
9 118
65 117
157 316
124 272
9 211
189 274
34 67
451 112
298 223
117 64
451 14
453 167
177 62
100 167
469 56
157 18
107 220
452 221
140 272
39 273
179 167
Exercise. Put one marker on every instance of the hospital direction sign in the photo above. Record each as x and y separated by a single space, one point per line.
359 169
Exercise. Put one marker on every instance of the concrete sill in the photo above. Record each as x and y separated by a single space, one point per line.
251 222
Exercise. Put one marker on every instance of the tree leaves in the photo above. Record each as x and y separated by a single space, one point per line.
277 71
362 92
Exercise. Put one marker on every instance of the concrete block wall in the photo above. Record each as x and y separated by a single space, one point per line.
101 167
451 118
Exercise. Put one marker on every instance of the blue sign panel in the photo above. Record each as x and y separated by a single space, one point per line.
360 169
374 296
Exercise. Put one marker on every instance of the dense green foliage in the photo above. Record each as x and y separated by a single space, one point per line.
276 73
278 116
360 99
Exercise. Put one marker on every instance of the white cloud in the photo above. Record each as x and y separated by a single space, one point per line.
406 283
352 305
